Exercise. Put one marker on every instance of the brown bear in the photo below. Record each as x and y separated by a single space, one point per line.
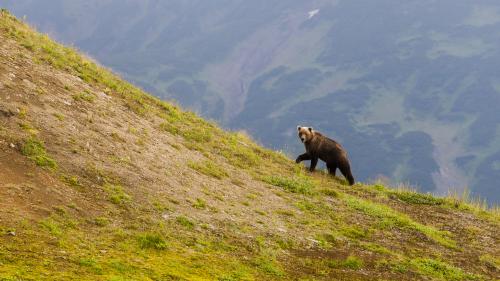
326 149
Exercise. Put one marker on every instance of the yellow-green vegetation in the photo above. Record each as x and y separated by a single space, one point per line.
84 96
296 184
441 270
59 116
413 197
166 195
209 168
34 149
185 222
116 194
388 218
151 241
350 262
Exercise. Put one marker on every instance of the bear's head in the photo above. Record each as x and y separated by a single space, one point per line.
305 133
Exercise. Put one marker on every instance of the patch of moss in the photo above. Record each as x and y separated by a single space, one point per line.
34 149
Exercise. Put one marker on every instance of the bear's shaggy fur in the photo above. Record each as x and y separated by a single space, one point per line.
321 147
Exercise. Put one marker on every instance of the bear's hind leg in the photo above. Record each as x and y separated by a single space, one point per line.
332 169
345 169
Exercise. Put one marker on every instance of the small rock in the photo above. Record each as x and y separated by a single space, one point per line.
103 251
11 233
12 145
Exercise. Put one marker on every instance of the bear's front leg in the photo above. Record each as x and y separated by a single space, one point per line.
314 162
303 157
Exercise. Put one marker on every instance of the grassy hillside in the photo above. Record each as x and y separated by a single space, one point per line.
100 181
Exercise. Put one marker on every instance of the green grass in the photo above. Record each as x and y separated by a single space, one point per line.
185 222
296 184
351 262
491 261
354 232
71 180
59 116
28 128
116 194
268 264
91 264
52 226
151 241
413 197
101 221
388 218
200 203
441 270
209 168
84 96
34 149
169 127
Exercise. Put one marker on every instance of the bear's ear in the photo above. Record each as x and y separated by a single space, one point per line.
310 129
298 128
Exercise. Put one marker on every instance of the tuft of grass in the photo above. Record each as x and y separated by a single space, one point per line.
200 204
185 222
116 194
239 151
197 135
52 226
376 248
414 197
101 221
59 116
268 264
354 232
350 262
84 96
34 149
441 270
490 261
169 127
296 184
91 264
151 241
329 192
209 168
28 128
391 218
71 180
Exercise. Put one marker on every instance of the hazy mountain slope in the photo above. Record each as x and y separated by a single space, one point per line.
408 85
103 182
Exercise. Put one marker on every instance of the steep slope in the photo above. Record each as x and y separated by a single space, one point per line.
100 181
410 84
